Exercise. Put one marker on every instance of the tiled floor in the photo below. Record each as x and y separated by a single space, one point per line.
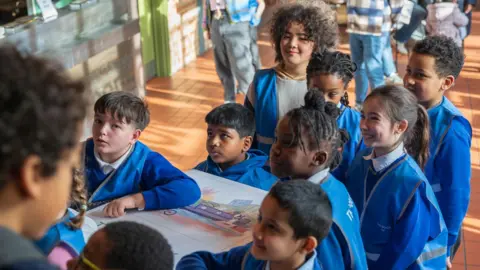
179 104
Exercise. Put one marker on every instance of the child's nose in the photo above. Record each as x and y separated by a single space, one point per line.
103 130
275 150
214 141
408 80
362 124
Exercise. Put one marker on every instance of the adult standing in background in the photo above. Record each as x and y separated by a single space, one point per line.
227 23
365 21
254 35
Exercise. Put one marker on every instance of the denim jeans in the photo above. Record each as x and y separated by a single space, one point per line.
367 52
387 56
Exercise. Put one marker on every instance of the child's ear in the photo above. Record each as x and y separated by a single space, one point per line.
319 158
247 143
136 135
402 126
30 180
448 82
310 244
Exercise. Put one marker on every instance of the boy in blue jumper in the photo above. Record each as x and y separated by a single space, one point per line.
432 69
293 219
229 137
41 116
121 169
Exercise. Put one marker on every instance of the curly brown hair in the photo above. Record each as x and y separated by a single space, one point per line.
41 110
318 20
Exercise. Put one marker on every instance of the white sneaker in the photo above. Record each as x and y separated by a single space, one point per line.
394 79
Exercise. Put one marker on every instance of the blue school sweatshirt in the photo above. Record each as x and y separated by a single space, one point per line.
162 185
349 120
237 258
401 223
448 169
249 172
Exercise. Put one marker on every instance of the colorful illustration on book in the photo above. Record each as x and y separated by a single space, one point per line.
231 219
238 216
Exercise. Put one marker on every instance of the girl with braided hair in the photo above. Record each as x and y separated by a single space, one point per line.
65 240
306 147
331 72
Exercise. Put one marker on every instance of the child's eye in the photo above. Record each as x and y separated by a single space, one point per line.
271 227
224 136
116 126
259 218
209 134
97 121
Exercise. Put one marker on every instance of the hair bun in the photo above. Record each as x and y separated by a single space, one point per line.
332 110
315 100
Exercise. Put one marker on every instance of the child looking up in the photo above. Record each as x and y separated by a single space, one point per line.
230 132
41 116
293 219
123 171
306 147
297 31
331 72
401 223
432 69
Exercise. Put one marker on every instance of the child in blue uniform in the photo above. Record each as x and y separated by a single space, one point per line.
41 116
121 169
306 147
432 69
331 72
230 132
293 219
125 245
297 31
401 223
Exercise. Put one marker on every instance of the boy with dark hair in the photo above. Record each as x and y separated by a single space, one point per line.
293 219
125 245
432 69
229 137
41 116
121 169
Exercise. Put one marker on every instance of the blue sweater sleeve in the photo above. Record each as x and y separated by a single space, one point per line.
409 236
230 260
165 186
452 165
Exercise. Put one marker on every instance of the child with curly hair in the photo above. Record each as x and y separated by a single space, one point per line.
41 115
297 31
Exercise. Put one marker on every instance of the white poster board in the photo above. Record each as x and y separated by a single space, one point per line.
220 221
